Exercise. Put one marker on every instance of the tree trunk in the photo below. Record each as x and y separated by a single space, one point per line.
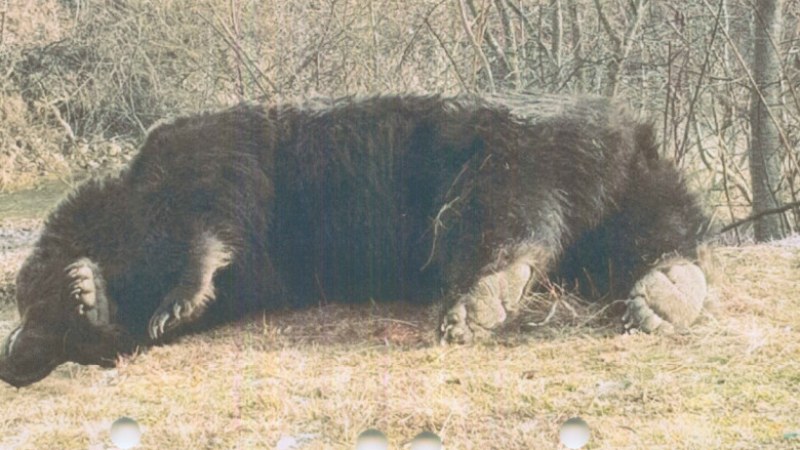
765 158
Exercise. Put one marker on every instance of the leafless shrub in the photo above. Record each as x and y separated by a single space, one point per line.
91 70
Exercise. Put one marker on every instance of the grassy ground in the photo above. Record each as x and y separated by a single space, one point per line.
322 375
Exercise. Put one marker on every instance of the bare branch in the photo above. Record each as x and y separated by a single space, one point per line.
533 30
478 50
511 58
448 54
490 39
67 128
558 32
607 26
759 215
784 139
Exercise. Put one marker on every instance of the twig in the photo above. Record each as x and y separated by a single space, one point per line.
570 308
623 45
697 89
447 53
63 123
548 317
255 72
468 29
407 48
532 29
486 33
511 59
236 36
401 322
601 311
726 190
374 32
437 222
558 33
607 26
759 215
314 57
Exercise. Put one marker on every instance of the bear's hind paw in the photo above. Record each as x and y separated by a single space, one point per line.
669 297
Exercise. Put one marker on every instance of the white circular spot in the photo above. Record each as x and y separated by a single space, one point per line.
426 441
574 433
125 433
372 439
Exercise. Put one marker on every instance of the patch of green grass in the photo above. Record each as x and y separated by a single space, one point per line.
33 203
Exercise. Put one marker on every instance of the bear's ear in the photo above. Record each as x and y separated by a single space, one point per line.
146 172
646 142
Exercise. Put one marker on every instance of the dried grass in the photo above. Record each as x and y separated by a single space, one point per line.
324 374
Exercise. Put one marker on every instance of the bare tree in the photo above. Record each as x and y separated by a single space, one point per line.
765 155
622 42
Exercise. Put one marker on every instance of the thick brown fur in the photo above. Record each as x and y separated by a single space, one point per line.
413 197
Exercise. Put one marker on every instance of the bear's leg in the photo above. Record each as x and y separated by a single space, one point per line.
195 290
662 227
509 244
497 294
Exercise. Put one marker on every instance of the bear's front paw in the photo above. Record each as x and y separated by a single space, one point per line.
486 306
86 288
169 315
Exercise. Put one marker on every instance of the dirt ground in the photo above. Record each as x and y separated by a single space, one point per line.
320 376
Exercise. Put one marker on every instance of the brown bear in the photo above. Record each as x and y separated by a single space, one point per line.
473 198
